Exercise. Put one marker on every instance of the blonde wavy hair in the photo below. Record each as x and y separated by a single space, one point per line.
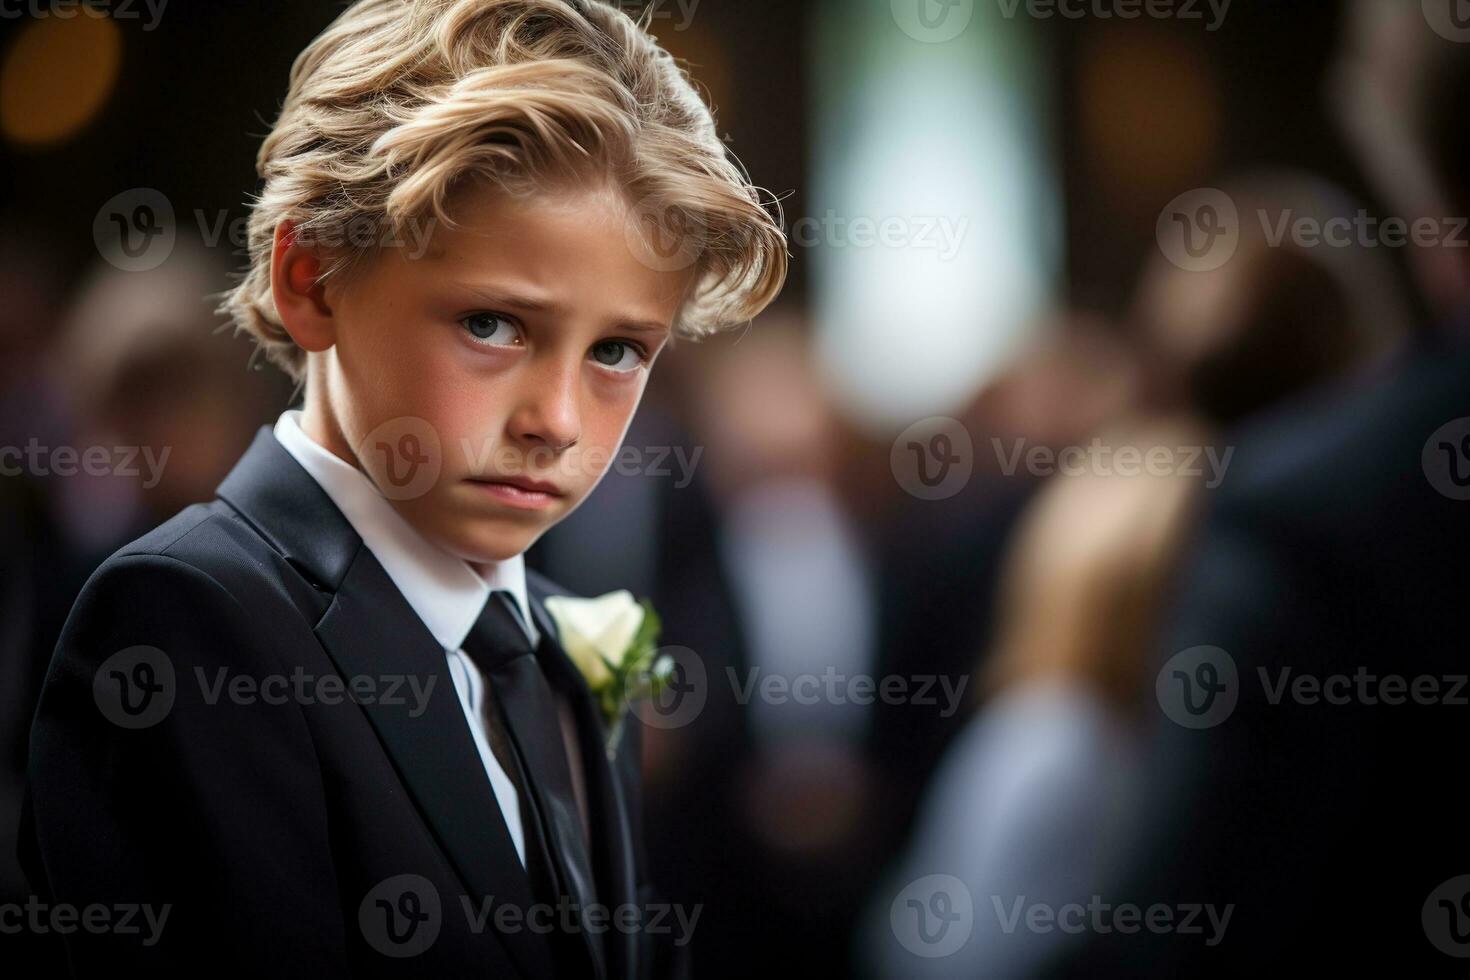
398 102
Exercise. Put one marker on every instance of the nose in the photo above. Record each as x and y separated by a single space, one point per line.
549 413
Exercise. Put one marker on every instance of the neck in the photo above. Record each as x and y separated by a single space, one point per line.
318 419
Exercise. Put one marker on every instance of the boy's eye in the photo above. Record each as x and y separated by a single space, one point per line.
491 328
618 355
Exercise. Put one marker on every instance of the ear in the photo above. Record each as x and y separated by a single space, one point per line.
301 301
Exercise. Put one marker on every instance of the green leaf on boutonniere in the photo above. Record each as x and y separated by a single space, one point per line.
612 639
639 674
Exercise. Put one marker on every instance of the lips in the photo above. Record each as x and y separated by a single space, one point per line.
538 486
524 483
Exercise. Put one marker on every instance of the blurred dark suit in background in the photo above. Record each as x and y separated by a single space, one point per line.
1328 826
1335 549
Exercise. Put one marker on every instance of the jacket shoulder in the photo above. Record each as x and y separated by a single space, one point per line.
207 555
1348 453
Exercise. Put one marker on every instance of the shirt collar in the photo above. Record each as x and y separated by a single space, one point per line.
445 591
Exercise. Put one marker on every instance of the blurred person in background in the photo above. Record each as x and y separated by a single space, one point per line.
1036 797
1319 802
164 400
1028 799
154 371
800 576
939 560
40 572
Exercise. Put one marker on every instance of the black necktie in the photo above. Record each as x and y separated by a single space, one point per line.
499 646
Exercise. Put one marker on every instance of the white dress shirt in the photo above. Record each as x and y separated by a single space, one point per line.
445 591
803 589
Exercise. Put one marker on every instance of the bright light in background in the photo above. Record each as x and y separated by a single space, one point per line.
56 77
945 145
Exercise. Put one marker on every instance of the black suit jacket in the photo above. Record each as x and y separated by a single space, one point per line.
1327 553
347 830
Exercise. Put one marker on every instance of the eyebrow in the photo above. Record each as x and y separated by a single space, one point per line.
532 304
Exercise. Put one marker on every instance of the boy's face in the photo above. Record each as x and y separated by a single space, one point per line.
516 348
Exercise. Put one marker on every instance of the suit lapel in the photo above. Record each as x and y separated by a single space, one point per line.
370 630
611 825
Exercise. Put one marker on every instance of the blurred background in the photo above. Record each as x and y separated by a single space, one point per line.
1030 242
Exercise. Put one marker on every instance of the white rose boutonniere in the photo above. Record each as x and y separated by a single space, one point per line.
612 640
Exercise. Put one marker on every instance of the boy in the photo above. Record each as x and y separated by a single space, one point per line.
324 724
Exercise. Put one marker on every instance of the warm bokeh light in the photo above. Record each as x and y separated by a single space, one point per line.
1150 112
57 76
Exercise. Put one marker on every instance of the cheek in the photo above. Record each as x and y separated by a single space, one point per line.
383 367
604 424
466 411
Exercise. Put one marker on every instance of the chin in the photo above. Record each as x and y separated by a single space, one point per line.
481 545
